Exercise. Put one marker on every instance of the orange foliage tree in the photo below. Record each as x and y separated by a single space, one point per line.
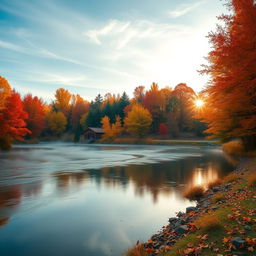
231 105
138 121
12 124
36 110
63 101
112 131
5 91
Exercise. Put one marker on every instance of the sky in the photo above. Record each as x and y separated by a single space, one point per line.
100 46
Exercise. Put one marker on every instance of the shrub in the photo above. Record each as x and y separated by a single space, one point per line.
5 143
214 183
139 250
233 148
208 222
194 193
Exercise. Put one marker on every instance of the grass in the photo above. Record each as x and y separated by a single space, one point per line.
208 223
252 180
219 197
233 148
139 250
194 193
214 183
231 177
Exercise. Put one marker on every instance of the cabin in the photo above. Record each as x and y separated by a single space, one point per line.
92 134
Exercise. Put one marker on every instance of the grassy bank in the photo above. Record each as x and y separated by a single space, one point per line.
226 226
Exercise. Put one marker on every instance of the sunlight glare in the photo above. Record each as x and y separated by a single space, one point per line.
199 103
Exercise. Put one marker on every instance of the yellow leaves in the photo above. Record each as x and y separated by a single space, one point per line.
57 122
138 121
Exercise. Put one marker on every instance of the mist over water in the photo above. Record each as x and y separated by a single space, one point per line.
74 199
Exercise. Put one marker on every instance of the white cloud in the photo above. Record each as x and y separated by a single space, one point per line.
11 46
184 9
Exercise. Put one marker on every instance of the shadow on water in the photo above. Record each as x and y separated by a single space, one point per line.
59 197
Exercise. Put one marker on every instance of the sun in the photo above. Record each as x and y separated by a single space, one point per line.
199 103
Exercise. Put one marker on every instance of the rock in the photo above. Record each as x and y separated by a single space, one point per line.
179 214
180 222
171 220
180 230
214 208
215 189
238 242
246 227
190 209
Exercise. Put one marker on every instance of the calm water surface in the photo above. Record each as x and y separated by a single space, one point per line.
95 200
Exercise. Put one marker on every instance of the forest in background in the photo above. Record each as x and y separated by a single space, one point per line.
167 112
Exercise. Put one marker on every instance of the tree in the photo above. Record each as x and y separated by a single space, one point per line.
57 122
62 101
5 91
155 103
163 129
124 101
112 131
139 93
138 121
35 108
12 121
231 91
95 114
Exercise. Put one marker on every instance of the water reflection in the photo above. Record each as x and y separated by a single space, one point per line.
102 211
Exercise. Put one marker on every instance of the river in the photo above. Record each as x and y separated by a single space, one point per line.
95 200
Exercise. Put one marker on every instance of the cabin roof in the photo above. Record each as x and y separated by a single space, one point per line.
95 129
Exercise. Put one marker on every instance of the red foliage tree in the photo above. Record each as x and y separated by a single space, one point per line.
163 129
231 104
35 108
12 124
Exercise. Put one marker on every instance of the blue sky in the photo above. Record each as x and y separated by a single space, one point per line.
100 46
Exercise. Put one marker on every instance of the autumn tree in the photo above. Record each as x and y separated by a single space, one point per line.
112 131
231 91
12 121
57 122
139 93
35 108
153 100
5 91
80 108
63 101
138 121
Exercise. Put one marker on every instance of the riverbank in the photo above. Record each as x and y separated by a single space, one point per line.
166 142
222 223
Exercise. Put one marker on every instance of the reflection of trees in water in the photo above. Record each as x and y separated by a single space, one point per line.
10 198
160 178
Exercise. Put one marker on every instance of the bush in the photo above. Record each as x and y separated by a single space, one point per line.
233 148
208 222
214 183
139 250
194 193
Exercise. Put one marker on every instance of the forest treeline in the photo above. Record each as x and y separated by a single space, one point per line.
163 111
